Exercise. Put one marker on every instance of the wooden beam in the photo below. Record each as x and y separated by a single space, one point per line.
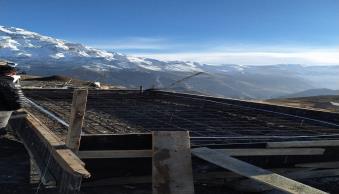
232 152
115 154
249 185
70 162
298 144
258 174
172 165
198 178
35 170
313 174
210 177
273 152
51 155
319 165
76 121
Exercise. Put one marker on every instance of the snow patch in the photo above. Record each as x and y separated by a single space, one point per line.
16 42
58 56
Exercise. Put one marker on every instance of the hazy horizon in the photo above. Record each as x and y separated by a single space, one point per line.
256 32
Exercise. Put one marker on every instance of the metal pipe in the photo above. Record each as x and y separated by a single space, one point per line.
42 109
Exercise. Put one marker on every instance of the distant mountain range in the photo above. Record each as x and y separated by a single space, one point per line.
43 55
312 92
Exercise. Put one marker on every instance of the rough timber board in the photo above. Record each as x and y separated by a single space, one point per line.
296 144
249 185
67 159
253 172
110 151
232 152
71 163
115 154
77 118
333 164
51 155
16 121
171 163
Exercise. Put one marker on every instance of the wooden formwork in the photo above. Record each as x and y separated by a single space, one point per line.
53 158
127 159
106 159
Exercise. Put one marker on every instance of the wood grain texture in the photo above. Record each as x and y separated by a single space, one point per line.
258 174
296 144
172 165
77 118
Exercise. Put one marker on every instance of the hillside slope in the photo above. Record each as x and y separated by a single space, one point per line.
42 55
327 103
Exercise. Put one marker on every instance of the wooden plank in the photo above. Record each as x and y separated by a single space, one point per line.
319 165
76 121
70 162
171 163
273 152
258 174
313 174
198 178
233 152
209 177
115 154
249 185
44 147
47 179
297 144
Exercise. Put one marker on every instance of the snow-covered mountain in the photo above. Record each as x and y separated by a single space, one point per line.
19 44
43 55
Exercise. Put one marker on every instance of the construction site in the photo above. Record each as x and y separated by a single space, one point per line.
86 140
169 97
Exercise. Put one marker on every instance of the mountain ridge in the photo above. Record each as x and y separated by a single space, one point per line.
43 55
312 92
22 45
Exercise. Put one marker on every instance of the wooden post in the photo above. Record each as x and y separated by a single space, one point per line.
76 120
172 164
257 174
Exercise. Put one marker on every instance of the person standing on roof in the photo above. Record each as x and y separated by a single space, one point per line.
10 96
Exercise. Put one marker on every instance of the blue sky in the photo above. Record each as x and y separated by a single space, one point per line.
256 32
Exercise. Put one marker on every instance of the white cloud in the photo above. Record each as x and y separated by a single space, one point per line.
224 53
307 57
